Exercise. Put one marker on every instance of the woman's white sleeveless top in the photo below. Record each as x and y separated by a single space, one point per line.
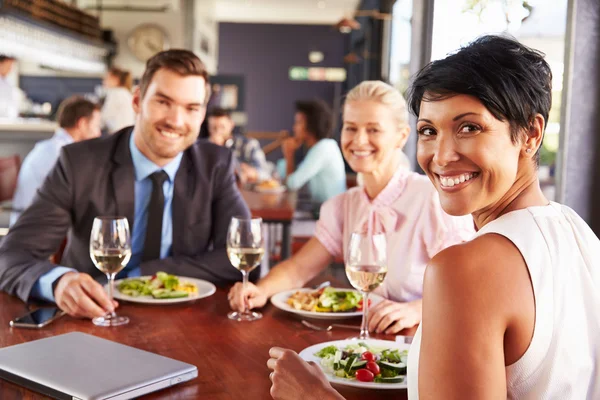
563 257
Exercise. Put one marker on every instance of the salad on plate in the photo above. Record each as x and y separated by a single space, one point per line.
326 300
360 362
159 286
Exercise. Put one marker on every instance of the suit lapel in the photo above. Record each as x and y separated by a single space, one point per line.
123 179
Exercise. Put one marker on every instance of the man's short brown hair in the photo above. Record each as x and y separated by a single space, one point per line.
4 57
72 109
182 62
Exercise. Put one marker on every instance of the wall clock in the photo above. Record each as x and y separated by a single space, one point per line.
147 40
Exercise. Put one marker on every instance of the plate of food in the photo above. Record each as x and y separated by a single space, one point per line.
327 303
162 288
370 363
270 186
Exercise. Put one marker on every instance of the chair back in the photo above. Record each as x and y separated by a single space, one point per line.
9 172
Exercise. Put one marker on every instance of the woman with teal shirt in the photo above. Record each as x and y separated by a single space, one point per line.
323 166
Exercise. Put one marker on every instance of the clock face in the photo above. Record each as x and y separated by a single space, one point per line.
147 40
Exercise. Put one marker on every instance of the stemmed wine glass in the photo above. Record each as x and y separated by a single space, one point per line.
110 250
245 249
366 267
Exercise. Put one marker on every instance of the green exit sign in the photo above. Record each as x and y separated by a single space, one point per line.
298 73
317 74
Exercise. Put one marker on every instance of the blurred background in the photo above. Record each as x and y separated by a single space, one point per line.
264 55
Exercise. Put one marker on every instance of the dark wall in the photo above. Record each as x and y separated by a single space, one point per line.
263 53
52 89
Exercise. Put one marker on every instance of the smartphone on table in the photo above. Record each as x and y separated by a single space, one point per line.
38 318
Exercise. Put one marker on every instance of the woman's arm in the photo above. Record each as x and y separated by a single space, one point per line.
475 296
289 274
315 160
311 260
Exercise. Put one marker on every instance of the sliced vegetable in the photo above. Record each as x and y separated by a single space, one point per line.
326 350
399 368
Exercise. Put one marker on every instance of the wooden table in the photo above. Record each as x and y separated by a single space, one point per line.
231 356
274 208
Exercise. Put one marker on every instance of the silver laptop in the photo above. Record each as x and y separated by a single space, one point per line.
77 366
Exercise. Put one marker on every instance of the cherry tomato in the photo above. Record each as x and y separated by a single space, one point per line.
359 307
364 375
373 367
367 355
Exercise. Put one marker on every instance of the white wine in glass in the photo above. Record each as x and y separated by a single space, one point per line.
245 259
245 249
366 268
110 250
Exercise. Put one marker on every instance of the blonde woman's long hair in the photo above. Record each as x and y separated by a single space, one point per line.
389 96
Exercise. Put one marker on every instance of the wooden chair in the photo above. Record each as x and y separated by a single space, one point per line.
9 172
276 139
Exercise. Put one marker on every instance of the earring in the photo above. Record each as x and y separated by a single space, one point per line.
528 151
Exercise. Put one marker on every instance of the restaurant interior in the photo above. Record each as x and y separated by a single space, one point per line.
277 71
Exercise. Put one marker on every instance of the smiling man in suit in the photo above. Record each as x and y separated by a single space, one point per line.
178 194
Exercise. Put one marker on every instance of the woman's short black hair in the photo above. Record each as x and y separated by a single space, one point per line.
512 81
319 119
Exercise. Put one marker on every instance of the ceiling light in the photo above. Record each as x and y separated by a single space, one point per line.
315 57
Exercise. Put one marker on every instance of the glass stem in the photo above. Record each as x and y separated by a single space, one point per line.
244 287
111 283
364 326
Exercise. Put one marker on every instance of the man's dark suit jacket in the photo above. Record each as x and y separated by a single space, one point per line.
96 177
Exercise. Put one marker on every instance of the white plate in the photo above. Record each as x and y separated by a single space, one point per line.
205 289
308 354
280 301
274 190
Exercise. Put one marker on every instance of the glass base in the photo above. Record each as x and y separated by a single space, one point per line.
110 320
244 316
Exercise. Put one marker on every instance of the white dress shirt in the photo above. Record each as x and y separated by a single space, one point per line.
35 168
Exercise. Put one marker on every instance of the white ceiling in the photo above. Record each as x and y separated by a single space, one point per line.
284 11
326 12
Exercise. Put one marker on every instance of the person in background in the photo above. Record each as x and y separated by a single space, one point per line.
252 163
117 111
78 119
513 313
401 203
323 166
178 194
9 96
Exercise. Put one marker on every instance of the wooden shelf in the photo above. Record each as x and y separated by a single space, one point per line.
59 14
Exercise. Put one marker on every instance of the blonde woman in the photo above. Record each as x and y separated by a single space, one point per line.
403 204
117 111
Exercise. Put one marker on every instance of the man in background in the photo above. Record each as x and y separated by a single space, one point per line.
252 165
9 95
78 119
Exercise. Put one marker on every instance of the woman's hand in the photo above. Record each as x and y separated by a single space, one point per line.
253 296
295 379
390 317
289 147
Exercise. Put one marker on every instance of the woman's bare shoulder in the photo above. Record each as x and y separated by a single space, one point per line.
484 264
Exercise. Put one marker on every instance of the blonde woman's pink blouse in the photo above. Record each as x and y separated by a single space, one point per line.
408 210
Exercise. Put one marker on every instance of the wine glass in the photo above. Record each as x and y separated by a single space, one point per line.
245 249
366 267
110 250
